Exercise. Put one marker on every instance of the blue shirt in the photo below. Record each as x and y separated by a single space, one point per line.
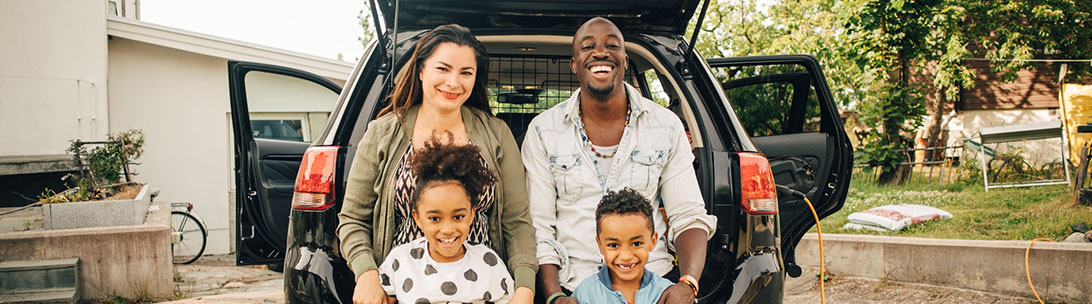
597 289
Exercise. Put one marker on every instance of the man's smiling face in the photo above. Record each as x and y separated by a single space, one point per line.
599 57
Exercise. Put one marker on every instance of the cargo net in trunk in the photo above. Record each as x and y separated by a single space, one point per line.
520 87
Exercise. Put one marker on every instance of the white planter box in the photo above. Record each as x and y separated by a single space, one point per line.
97 214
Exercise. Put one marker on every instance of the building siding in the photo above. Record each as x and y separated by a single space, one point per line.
1034 88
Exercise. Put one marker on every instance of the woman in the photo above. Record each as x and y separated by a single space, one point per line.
440 90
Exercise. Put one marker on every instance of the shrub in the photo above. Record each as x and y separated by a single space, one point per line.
99 170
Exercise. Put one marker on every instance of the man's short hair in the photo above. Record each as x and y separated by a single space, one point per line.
622 202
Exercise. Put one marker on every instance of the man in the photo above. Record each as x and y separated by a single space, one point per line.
606 136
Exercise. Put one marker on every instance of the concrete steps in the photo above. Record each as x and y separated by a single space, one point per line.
40 281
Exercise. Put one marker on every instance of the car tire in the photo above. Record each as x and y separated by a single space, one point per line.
277 267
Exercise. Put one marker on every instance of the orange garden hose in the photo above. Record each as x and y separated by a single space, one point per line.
822 263
1027 269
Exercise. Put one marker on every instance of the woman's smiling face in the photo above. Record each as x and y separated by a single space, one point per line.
444 215
447 77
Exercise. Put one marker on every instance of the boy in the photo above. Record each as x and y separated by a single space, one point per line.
625 236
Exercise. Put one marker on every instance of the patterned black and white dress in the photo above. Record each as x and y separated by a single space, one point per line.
405 183
410 274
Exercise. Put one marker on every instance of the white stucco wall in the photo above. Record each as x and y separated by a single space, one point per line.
179 99
268 92
968 123
52 76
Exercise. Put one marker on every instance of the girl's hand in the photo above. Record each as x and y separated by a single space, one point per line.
523 295
368 290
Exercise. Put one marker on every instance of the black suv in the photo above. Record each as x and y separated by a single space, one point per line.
788 130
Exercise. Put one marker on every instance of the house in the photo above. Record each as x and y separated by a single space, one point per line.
75 69
1031 98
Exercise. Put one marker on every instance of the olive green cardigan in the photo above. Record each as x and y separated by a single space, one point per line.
366 221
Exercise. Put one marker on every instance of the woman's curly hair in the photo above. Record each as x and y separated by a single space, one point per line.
442 161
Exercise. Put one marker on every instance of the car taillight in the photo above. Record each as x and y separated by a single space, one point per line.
315 180
758 191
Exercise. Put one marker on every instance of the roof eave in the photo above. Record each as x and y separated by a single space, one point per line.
224 48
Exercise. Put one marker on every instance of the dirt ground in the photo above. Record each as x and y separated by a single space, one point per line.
805 289
216 279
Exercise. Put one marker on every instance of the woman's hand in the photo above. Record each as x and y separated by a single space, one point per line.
368 290
523 295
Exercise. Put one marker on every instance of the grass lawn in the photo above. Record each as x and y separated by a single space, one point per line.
1001 214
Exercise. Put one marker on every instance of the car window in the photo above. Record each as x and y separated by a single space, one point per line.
772 99
287 108
655 88
283 129
528 85
520 87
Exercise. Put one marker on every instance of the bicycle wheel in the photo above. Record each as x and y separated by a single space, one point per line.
191 237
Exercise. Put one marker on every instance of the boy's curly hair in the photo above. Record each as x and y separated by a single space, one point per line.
625 201
443 161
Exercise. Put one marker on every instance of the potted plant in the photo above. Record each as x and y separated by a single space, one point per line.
102 191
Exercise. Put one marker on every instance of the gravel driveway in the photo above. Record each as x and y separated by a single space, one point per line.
805 289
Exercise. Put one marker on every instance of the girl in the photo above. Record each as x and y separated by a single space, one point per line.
441 89
442 267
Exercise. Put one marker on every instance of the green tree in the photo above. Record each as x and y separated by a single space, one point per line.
871 49
367 31
1013 31
814 27
1009 33
890 36
946 49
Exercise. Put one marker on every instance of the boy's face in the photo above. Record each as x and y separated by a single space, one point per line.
444 215
625 241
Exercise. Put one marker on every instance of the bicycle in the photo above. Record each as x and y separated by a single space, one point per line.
188 233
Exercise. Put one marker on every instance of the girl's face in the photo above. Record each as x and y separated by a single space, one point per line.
444 214
447 77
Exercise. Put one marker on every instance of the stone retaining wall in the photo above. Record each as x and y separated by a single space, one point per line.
128 261
1060 271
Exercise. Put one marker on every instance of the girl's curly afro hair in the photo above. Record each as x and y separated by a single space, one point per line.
442 161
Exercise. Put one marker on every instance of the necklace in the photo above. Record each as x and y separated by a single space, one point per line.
587 142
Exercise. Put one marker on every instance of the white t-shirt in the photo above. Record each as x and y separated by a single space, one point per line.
410 274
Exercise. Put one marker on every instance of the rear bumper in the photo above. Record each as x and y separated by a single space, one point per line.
759 279
314 275
757 273
314 271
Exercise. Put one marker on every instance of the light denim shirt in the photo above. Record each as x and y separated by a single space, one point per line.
564 183
598 289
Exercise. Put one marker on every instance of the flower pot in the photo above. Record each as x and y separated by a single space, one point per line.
97 213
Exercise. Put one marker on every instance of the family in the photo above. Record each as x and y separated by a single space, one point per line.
441 205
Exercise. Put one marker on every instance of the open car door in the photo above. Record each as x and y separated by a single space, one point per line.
785 105
276 113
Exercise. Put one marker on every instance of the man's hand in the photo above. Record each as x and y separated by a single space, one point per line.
549 284
368 290
566 300
680 293
523 295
